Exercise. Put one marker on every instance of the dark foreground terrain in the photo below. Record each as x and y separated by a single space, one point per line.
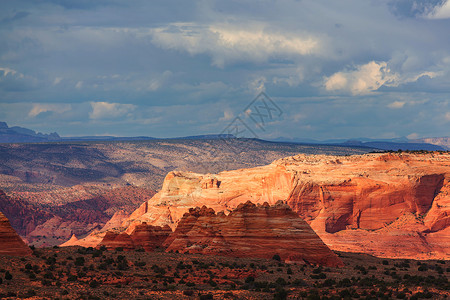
86 273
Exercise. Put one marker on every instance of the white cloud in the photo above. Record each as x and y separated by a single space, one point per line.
106 110
39 108
257 85
7 71
57 80
298 117
79 84
447 116
440 11
369 77
362 80
227 115
226 43
292 80
396 104
412 136
156 83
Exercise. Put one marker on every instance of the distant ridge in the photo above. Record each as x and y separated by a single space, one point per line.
18 134
429 144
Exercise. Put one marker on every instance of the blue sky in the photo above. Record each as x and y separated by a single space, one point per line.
337 69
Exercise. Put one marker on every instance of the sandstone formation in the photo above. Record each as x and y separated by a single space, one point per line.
117 219
10 242
143 236
86 183
113 240
363 203
47 218
251 231
150 237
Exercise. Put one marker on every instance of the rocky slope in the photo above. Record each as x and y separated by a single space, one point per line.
390 205
251 231
440 141
143 236
10 242
44 221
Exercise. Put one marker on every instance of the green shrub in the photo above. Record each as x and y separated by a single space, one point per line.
79 261
280 294
94 284
8 276
206 297
276 257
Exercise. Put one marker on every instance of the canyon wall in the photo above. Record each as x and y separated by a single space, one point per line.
385 204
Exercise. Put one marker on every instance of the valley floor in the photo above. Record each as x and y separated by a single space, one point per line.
86 273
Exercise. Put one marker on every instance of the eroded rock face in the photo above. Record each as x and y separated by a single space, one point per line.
150 237
251 231
10 242
49 217
350 202
143 236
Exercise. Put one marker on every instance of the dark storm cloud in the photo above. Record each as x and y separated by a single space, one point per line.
170 68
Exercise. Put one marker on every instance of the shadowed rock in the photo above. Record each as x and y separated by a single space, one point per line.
10 241
251 231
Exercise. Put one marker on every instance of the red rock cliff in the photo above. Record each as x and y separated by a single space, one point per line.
371 203
251 231
143 236
10 242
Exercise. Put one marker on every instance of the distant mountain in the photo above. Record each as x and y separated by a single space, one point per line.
402 143
383 145
206 137
18 134
440 141
105 138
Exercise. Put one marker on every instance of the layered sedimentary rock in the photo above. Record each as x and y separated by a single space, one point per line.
143 236
10 242
251 231
113 240
364 203
150 237
47 218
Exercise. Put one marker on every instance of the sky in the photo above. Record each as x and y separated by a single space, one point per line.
328 69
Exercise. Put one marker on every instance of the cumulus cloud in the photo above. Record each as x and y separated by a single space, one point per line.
39 108
447 116
396 104
439 11
14 81
226 43
361 80
257 85
412 136
369 77
106 110
227 115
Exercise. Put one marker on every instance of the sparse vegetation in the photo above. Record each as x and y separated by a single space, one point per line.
64 272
